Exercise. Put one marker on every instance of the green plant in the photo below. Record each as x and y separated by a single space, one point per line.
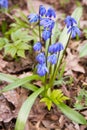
18 43
81 100
48 93
18 38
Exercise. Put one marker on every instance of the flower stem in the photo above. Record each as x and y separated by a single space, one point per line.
57 66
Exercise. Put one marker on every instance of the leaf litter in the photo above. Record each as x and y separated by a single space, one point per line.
40 118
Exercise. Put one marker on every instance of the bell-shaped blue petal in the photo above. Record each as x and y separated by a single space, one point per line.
4 3
47 23
42 69
41 58
54 48
70 21
50 13
37 46
42 10
74 30
52 59
33 18
46 34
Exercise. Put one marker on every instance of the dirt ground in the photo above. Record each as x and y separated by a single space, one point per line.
40 118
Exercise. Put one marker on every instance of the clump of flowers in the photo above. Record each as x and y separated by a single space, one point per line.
45 19
72 26
48 57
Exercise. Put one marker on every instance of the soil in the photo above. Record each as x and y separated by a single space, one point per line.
40 118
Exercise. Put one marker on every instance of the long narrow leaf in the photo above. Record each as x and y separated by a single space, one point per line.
11 78
25 109
71 114
7 77
64 37
19 82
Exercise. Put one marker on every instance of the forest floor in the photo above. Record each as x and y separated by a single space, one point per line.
40 118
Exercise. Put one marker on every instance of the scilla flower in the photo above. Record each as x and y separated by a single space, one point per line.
41 58
42 69
47 23
74 30
4 3
70 21
33 18
42 10
54 48
37 46
46 34
50 13
52 59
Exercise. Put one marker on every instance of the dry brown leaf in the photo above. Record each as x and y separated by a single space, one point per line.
2 64
84 2
13 97
72 63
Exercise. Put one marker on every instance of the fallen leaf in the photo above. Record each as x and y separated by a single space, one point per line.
72 63
2 64
84 2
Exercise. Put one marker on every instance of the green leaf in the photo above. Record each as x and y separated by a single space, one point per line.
56 33
3 42
64 37
71 114
21 53
22 46
7 77
83 50
19 82
47 102
10 49
25 110
11 78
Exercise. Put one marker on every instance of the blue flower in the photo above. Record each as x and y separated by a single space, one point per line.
37 46
42 69
47 23
4 3
74 30
70 21
41 58
52 59
33 18
54 48
46 34
51 13
42 10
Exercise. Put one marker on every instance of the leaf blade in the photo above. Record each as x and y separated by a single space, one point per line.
25 109
71 114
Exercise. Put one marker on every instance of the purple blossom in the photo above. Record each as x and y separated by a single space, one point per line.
52 59
37 46
47 23
33 18
54 48
70 21
50 13
42 69
74 30
42 10
46 34
41 58
4 3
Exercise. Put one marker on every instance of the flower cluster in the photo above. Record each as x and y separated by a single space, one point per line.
53 49
3 3
45 19
72 26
